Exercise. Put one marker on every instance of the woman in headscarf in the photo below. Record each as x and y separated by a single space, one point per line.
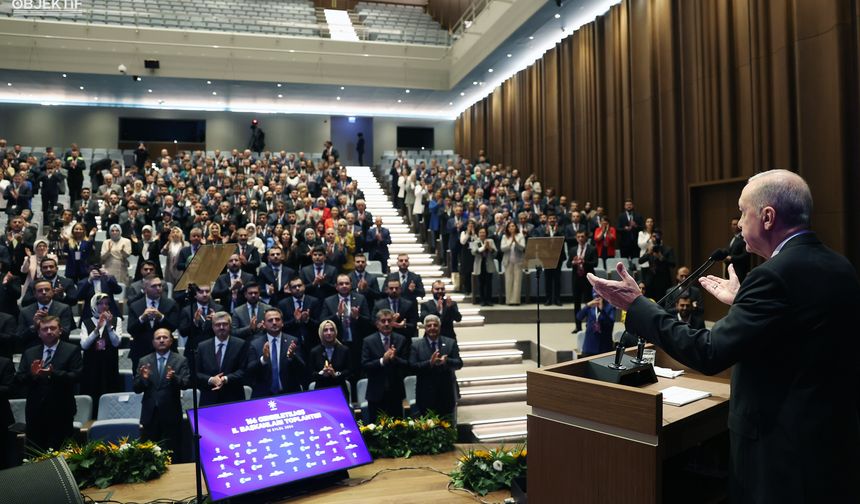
115 252
100 342
32 261
175 243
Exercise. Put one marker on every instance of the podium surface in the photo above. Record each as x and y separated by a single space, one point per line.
594 441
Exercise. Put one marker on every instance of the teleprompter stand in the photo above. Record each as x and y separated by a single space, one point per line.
542 253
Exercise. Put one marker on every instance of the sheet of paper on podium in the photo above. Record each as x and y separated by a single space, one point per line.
543 252
206 265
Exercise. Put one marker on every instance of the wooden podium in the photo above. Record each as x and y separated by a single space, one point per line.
593 441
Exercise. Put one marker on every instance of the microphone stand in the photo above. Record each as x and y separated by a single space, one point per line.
538 271
195 432
670 297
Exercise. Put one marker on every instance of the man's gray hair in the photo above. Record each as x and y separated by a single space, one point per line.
432 317
222 315
787 193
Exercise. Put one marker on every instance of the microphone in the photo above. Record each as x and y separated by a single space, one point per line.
716 256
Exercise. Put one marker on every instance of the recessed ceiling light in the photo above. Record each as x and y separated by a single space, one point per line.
209 82
214 47
137 78
81 87
342 88
280 96
279 84
407 91
462 93
338 98
475 83
214 93
64 76
366 55
490 70
510 55
532 37
148 90
292 50
557 15
9 84
450 103
399 101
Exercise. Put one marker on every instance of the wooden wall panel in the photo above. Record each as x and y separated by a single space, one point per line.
657 95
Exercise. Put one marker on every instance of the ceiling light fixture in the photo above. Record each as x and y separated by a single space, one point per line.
148 90
279 84
532 37
510 55
490 70
407 91
399 101
214 93
80 87
209 82
462 93
280 96
64 76
557 16
338 98
342 88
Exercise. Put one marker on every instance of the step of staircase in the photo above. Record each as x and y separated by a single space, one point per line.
491 357
496 422
485 394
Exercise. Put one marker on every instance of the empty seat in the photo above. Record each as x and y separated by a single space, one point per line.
114 430
119 405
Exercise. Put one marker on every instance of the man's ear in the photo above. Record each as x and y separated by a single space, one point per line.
768 216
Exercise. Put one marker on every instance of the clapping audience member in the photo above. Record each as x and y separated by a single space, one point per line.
435 358
220 363
100 343
329 362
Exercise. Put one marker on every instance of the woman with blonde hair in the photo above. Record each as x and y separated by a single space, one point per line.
175 243
329 361
513 246
115 252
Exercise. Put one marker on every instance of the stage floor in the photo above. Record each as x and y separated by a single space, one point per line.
402 486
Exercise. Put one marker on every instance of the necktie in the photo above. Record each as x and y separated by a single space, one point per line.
395 306
243 250
276 374
386 343
43 307
439 306
161 360
319 270
403 280
434 346
235 276
299 304
205 311
49 355
277 272
219 355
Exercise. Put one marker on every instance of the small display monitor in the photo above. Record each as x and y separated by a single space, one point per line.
260 444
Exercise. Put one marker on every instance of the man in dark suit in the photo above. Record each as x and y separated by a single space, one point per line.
412 287
737 252
249 256
275 363
350 313
552 276
301 314
148 314
248 317
86 209
364 282
377 240
49 372
135 290
692 291
161 377
65 290
229 288
443 307
582 260
75 166
385 362
274 276
28 320
629 224
195 320
319 277
685 312
220 364
794 416
405 311
195 237
329 363
435 358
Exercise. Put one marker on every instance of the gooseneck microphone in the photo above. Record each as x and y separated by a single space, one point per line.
669 298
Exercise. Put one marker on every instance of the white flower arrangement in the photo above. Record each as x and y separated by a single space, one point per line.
497 465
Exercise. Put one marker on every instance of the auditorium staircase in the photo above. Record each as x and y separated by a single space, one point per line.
492 406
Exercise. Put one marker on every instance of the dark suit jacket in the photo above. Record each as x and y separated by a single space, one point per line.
242 321
359 327
436 386
448 316
161 397
589 262
388 378
253 258
267 277
233 366
26 330
142 332
340 361
221 289
408 311
292 370
377 250
794 416
69 296
404 287
52 398
305 331
323 290
195 333
372 292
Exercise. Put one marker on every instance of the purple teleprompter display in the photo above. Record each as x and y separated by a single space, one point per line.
262 443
